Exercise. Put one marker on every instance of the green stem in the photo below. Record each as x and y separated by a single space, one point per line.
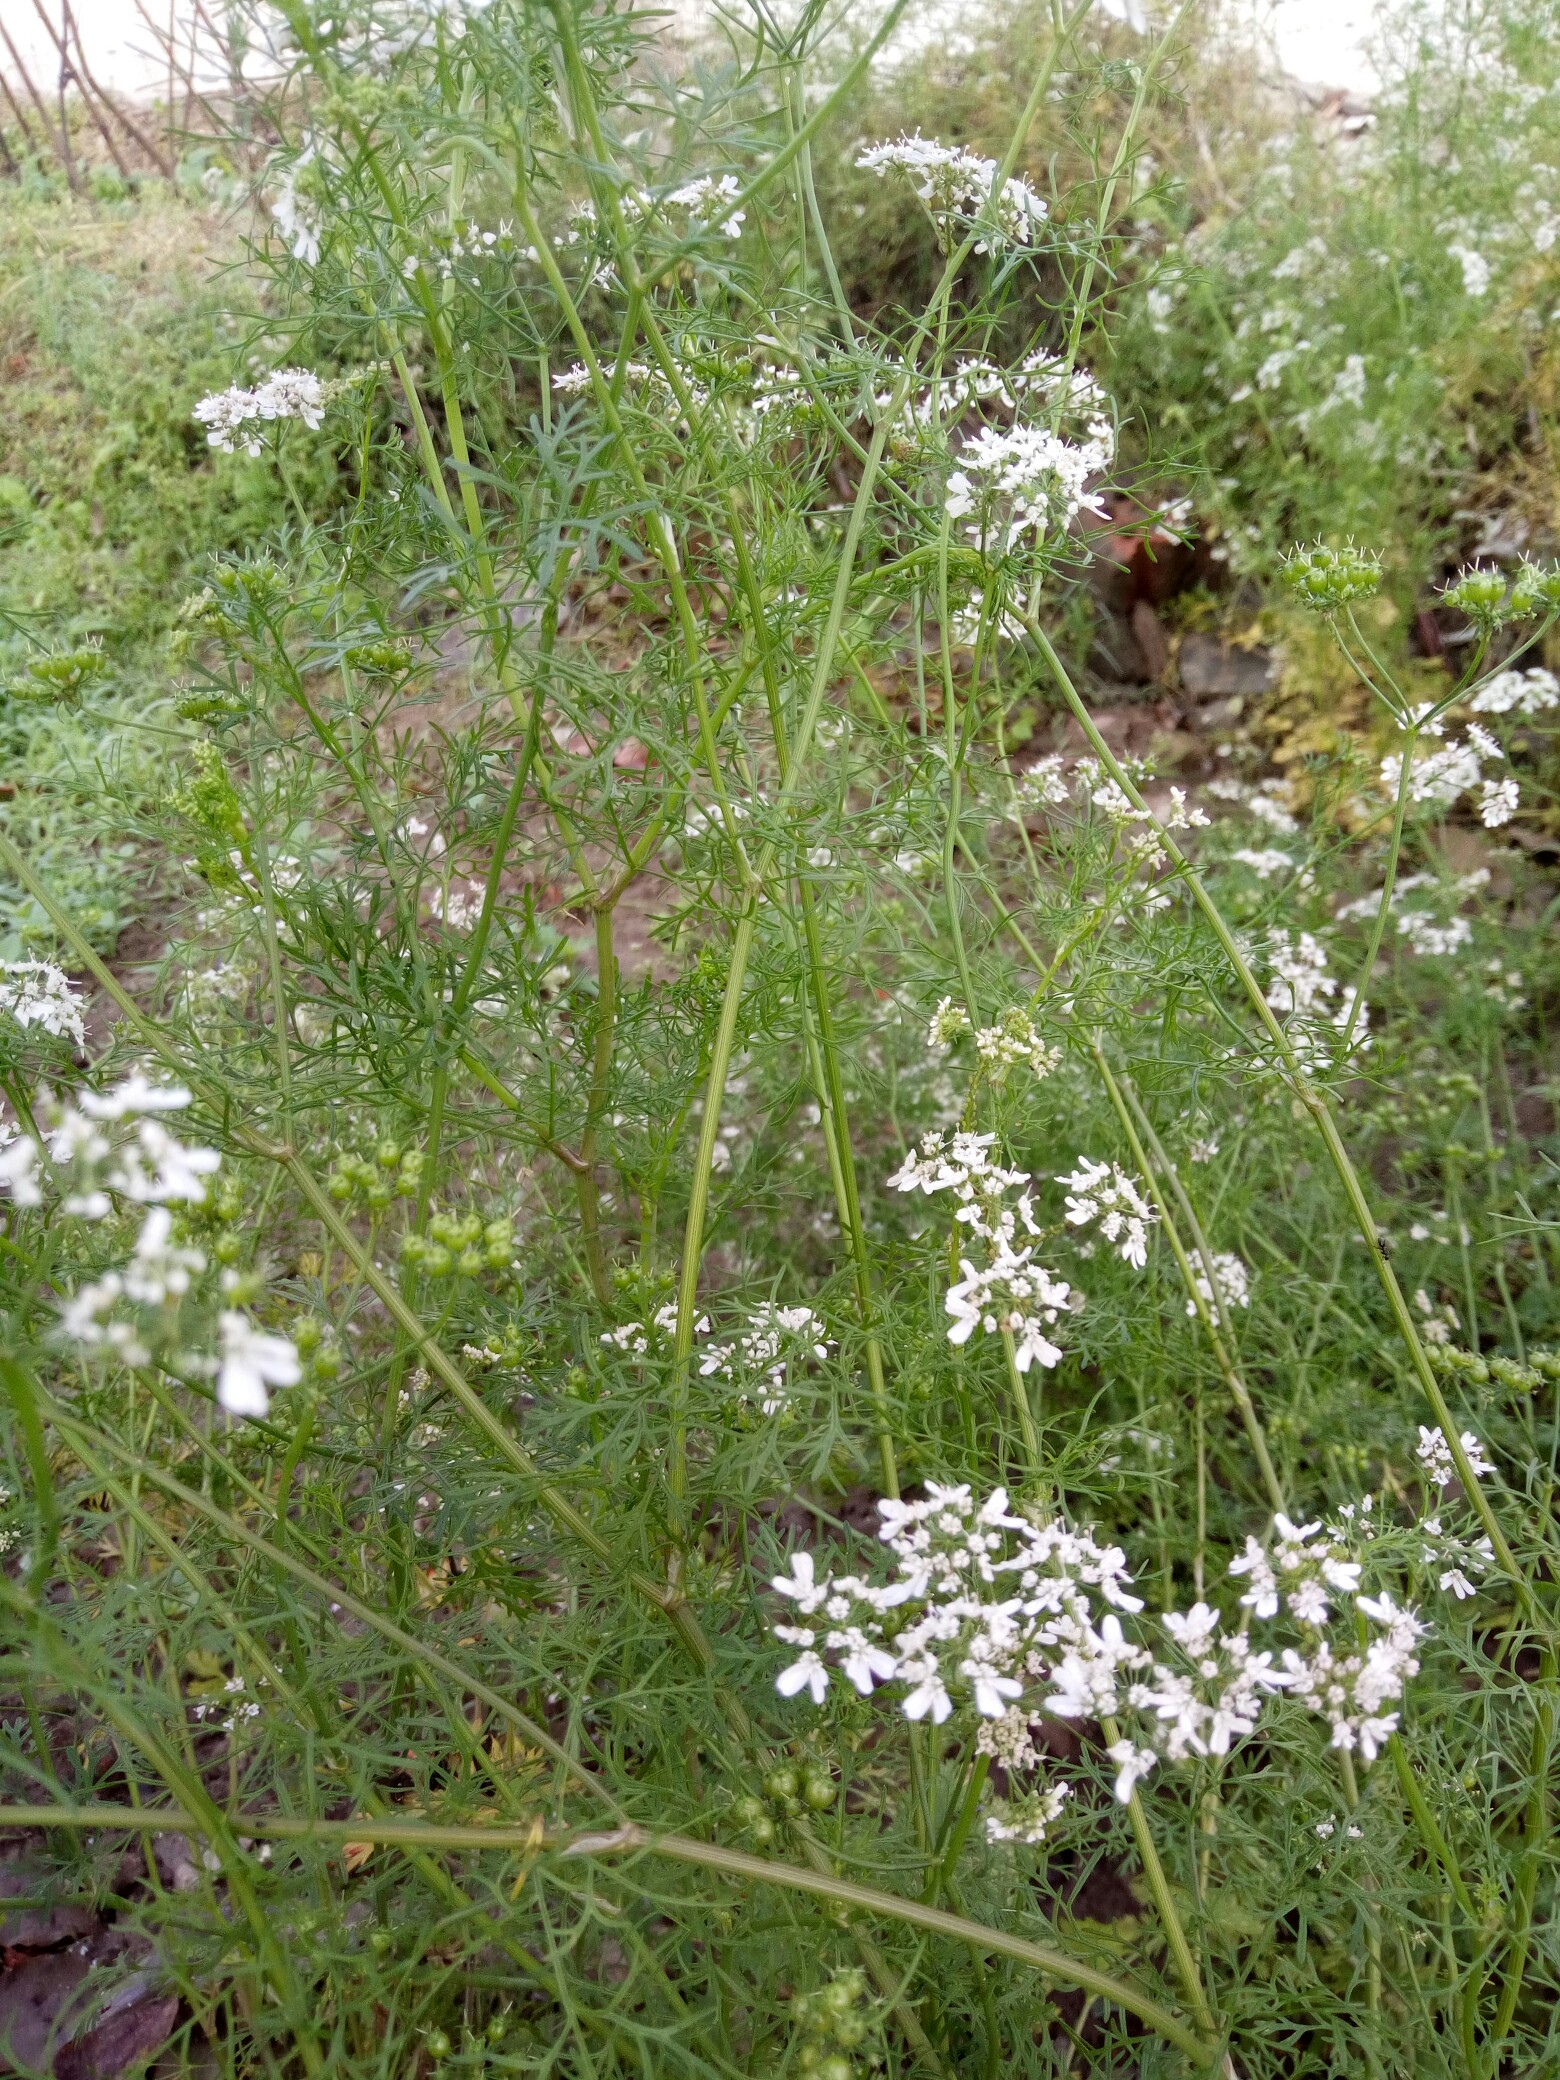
629 1840
1326 1126
1394 847
1125 1101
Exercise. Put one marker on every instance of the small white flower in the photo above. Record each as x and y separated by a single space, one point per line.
36 993
1234 1285
1527 693
1475 269
1435 1455
1132 1764
18 1168
808 1672
252 1362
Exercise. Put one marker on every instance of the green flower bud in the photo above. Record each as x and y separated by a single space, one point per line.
378 660
244 1289
1325 579
228 1247
207 706
1481 595
834 2067
307 1336
438 2044
388 1154
437 1260
819 1792
379 1940
781 1783
60 677
747 1812
1536 587
470 1262
497 2029
328 1361
380 1193
763 1831
339 1186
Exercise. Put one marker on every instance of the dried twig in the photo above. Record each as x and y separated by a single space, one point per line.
29 142
61 141
78 74
127 123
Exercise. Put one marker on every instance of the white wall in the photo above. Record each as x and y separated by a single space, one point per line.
1317 40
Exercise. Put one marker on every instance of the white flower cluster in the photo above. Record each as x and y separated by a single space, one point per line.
149 1167
458 254
297 212
1304 1569
1054 782
709 200
956 186
1522 693
1007 1292
978 1588
143 1164
636 1338
1011 1041
1104 1192
287 393
648 385
1422 931
1299 974
1458 1559
1351 1689
993 1608
36 993
1435 1456
1234 1282
1264 861
1299 983
774 1340
1475 269
1025 479
1442 772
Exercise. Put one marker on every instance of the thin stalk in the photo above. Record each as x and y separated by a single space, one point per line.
630 1840
1022 1406
432 1661
1124 1099
1394 847
185 1783
1326 1125
1164 1901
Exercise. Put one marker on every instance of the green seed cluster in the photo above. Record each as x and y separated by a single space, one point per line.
833 2023
461 1242
789 1791
391 1173
1454 1363
1326 579
320 1353
59 676
1482 594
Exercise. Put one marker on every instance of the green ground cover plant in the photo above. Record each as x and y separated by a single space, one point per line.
703 1373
